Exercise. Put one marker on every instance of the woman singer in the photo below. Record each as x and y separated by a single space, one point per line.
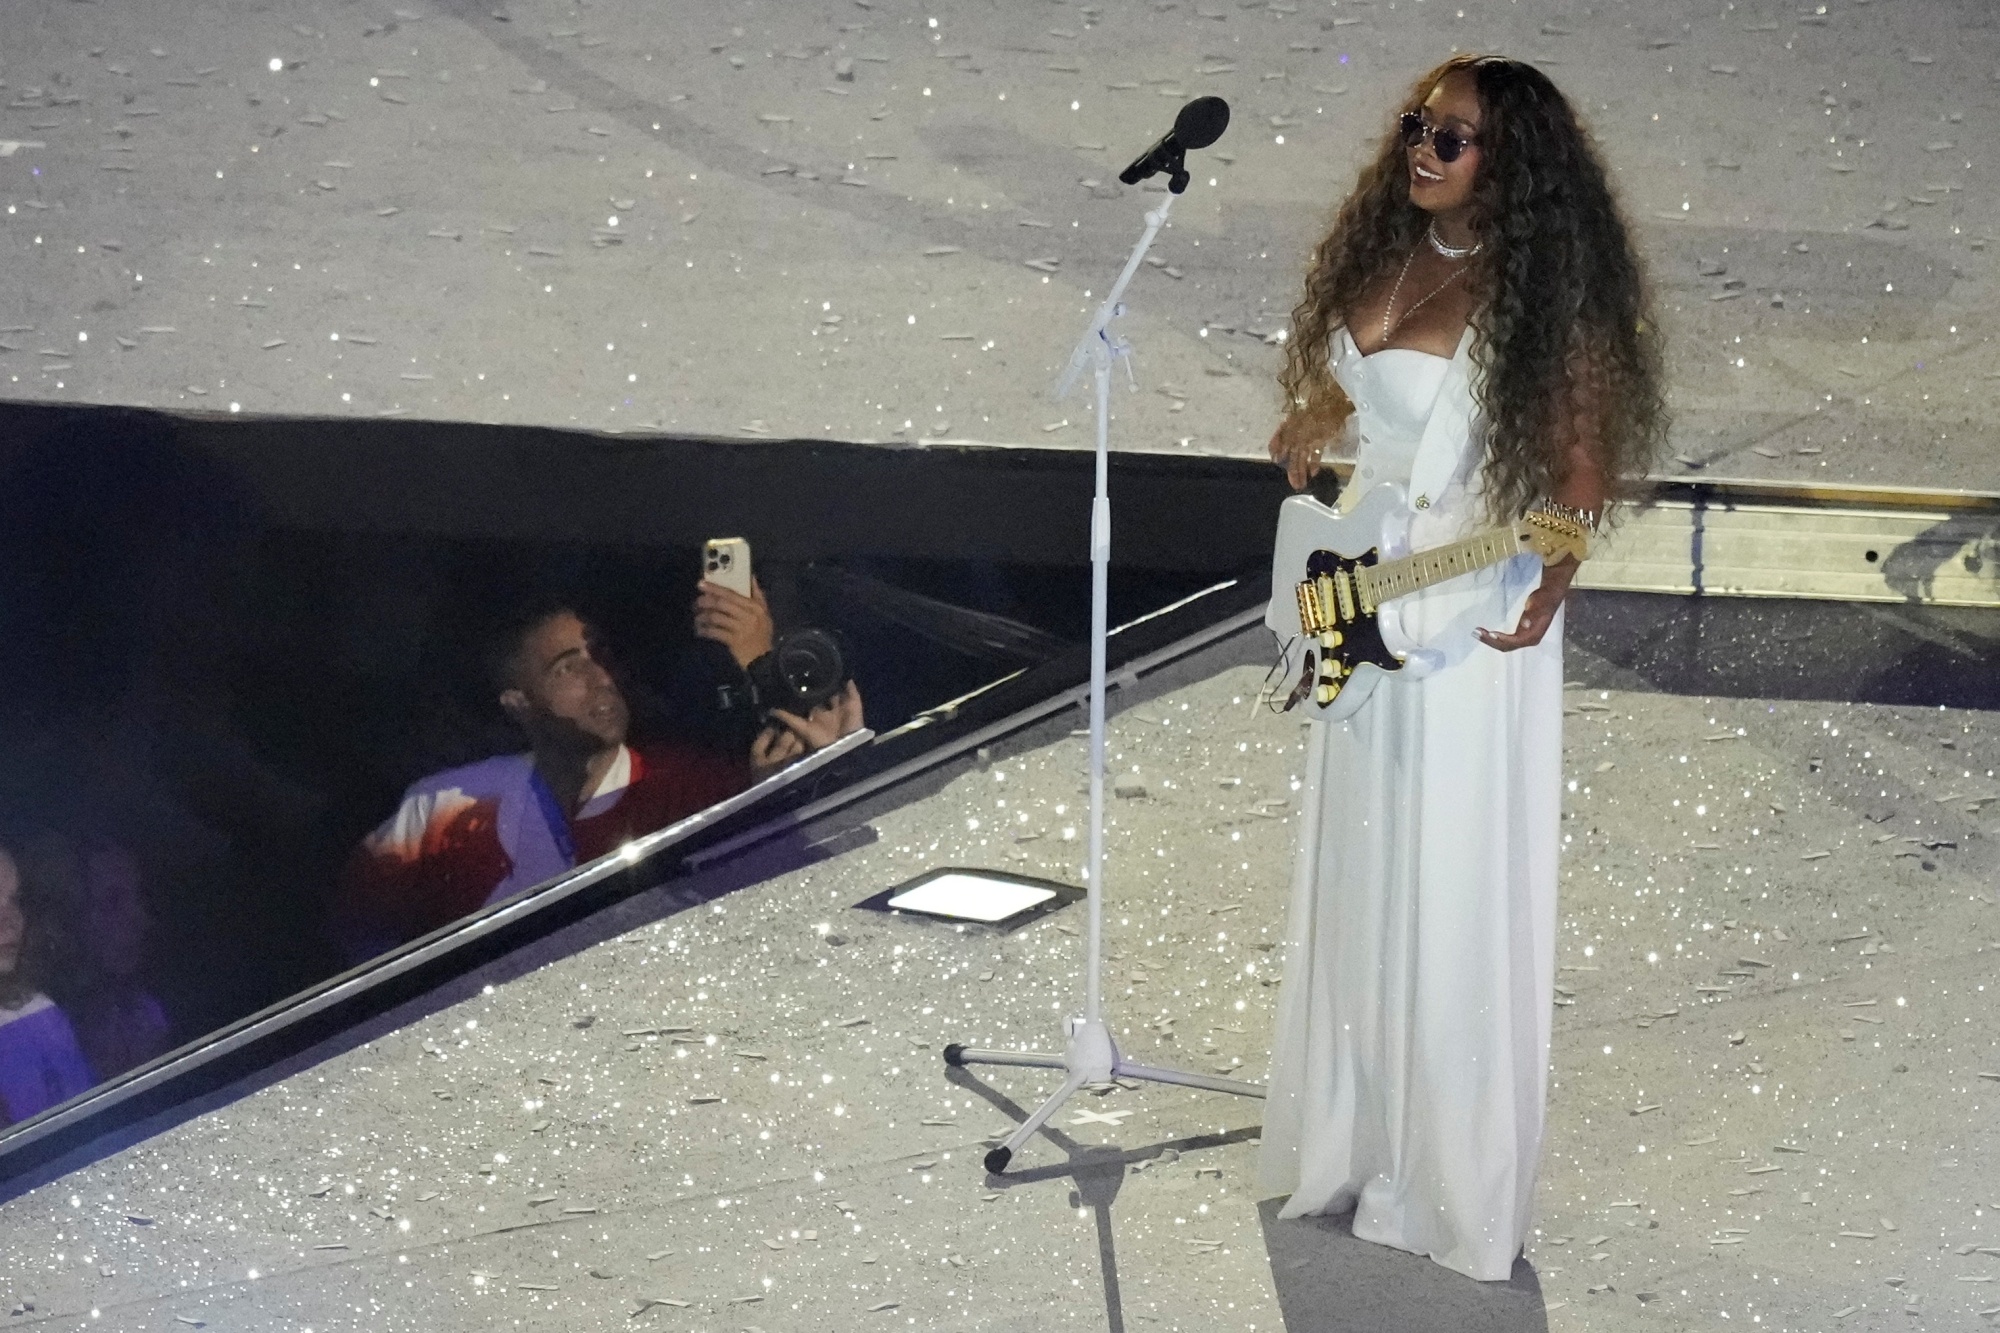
1477 320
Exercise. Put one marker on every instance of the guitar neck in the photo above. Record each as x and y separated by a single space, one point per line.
1399 578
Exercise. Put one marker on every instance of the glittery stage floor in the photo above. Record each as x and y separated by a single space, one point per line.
723 1107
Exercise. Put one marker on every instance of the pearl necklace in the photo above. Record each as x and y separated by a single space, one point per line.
1451 251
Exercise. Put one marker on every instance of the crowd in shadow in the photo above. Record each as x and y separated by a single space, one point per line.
205 725
121 563
76 1006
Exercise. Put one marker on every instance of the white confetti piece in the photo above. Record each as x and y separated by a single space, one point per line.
1084 1116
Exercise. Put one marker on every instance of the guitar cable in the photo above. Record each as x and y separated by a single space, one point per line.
1267 694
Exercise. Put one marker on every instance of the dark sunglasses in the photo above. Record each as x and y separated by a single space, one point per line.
1446 144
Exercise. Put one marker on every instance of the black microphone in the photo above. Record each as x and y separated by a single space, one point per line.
1200 123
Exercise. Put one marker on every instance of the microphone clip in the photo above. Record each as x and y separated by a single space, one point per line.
1169 157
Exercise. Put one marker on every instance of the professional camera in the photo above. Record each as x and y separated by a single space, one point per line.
806 669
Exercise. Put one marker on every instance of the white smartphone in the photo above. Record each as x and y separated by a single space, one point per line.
726 561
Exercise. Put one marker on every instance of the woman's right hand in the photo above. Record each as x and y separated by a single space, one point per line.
1292 451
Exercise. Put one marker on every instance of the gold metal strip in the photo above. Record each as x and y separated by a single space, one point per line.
1939 556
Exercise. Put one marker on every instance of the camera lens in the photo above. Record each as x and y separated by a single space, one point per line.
805 670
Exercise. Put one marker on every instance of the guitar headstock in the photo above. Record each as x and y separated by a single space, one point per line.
1554 534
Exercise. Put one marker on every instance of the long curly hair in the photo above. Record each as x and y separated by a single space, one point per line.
1562 313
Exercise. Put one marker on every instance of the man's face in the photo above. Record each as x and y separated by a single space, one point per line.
563 694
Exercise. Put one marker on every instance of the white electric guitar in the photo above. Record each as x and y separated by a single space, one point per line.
1332 572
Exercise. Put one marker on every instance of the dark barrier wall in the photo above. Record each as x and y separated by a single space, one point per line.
230 645
805 499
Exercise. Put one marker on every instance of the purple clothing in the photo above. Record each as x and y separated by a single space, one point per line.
41 1064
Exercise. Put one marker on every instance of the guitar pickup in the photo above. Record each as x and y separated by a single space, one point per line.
1343 586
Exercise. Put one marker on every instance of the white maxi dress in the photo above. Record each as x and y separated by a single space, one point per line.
1409 1065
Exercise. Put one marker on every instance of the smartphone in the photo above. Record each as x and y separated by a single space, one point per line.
726 561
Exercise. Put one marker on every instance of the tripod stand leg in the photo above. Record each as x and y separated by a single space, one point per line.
1212 1082
996 1161
958 1057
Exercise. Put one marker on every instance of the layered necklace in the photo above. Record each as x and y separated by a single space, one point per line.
1451 252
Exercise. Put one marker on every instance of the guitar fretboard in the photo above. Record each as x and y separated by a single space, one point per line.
1398 578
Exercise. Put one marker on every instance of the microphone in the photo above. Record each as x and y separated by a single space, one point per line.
1200 123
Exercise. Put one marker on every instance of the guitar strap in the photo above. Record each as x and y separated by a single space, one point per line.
1440 464
1440 461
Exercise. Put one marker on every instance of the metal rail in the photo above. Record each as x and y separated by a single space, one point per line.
1739 538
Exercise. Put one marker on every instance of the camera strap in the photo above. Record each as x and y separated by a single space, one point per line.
552 814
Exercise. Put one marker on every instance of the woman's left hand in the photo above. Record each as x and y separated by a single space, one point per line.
1540 611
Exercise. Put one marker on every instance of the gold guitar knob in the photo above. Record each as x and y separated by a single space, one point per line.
1335 639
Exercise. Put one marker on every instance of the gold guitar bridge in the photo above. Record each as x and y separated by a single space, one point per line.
1326 602
1313 619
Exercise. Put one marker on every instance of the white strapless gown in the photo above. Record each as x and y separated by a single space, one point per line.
1409 1065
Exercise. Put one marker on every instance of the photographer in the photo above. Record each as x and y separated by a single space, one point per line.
483 832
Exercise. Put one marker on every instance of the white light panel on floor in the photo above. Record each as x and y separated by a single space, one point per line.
966 896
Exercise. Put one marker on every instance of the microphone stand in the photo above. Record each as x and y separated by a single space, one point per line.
1090 1054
